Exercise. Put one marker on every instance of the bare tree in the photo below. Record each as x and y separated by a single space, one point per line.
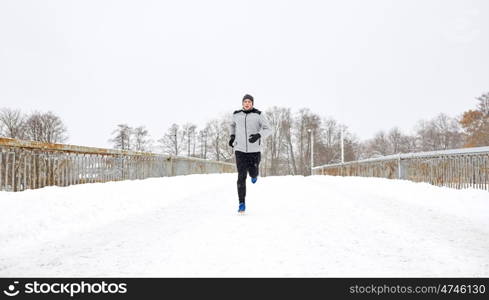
276 144
45 127
426 136
188 131
172 142
218 137
141 140
287 130
352 146
203 143
122 137
450 136
12 123
305 120
327 147
393 142
439 133
378 145
214 136
227 153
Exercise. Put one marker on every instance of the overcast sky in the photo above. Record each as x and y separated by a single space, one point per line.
370 64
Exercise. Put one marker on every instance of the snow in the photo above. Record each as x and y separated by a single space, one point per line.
294 226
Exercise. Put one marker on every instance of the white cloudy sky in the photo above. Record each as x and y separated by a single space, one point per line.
371 64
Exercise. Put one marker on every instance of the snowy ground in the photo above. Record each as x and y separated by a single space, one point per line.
295 226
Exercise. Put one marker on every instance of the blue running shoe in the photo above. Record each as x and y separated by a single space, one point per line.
242 207
254 179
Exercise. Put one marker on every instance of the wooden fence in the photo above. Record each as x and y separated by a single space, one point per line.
458 168
31 165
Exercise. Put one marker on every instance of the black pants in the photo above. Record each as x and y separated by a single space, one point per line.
246 162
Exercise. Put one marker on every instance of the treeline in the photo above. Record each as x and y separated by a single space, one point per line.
37 126
287 150
181 140
470 129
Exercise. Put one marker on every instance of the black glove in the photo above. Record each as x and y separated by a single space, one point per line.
254 137
231 141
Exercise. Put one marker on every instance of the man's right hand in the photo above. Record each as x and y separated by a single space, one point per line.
231 141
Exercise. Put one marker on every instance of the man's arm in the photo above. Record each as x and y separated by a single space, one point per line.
265 129
232 126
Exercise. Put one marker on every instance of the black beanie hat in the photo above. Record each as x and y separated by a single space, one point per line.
249 97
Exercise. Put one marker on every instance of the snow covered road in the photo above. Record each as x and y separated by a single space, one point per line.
294 226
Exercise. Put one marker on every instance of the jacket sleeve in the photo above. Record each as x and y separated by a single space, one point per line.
265 129
232 126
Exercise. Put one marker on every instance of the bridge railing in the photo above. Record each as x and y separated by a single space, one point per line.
458 168
31 165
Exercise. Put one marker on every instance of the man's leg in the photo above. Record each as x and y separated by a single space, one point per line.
241 165
254 164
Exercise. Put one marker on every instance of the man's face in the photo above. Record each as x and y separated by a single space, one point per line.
247 104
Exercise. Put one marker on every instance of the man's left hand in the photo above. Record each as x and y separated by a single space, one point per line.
254 137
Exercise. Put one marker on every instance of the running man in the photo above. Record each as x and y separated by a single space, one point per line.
249 127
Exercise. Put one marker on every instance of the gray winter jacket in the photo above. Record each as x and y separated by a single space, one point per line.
245 124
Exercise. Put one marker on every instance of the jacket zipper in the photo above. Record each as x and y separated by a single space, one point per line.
246 134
